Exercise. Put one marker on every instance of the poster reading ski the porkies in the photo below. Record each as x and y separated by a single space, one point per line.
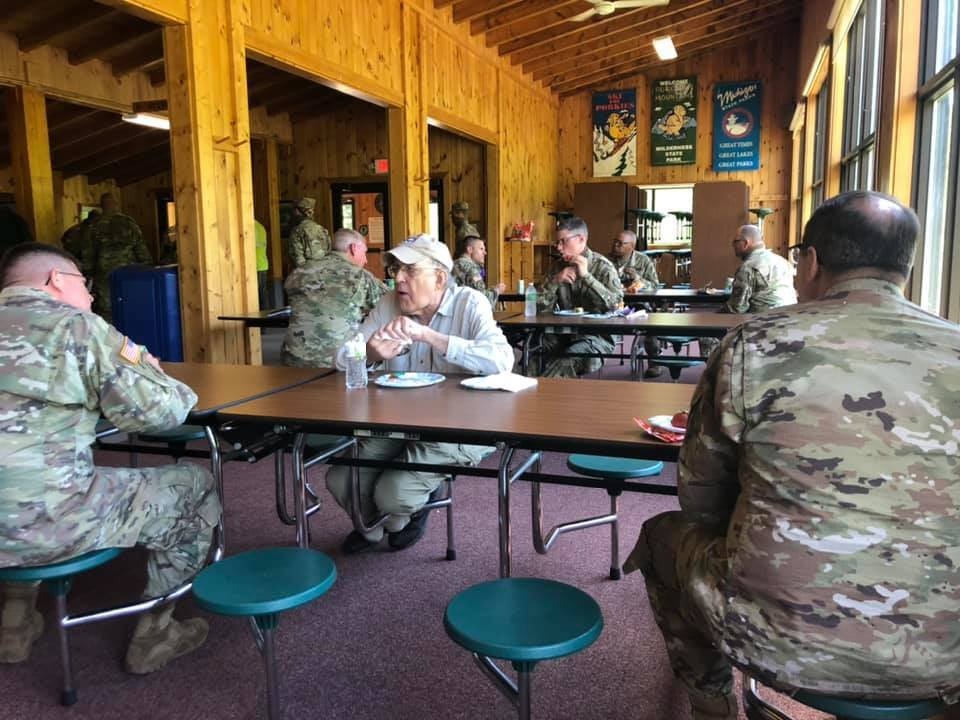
615 133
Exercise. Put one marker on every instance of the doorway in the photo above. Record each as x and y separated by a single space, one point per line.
363 206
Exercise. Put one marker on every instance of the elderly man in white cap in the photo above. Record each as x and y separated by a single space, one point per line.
309 240
426 325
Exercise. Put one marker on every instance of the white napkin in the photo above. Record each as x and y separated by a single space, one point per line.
511 382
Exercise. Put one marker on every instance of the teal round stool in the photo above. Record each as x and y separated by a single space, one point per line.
845 708
524 621
259 585
614 468
674 365
57 578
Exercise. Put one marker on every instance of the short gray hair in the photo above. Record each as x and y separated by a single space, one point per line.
345 237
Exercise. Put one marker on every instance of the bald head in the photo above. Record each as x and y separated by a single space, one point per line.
352 244
747 240
624 244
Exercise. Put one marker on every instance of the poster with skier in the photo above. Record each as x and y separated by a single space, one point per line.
615 133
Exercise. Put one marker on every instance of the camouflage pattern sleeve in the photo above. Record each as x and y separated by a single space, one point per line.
708 483
373 291
739 300
548 292
295 247
132 394
141 254
648 271
603 281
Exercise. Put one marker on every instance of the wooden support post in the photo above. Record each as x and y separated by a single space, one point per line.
30 155
266 200
210 147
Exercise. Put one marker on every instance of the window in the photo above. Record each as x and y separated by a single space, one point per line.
937 272
861 99
819 147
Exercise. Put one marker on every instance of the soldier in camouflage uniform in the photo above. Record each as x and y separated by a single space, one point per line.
460 217
62 368
818 539
112 242
74 239
580 279
764 280
328 296
637 272
468 269
308 240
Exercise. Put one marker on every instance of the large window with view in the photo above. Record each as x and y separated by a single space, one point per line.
937 274
817 177
861 98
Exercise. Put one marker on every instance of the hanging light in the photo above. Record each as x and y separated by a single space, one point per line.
151 120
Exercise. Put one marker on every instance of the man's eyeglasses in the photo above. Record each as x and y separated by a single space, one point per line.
87 282
411 271
795 251
568 238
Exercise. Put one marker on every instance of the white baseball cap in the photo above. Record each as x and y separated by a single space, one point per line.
422 247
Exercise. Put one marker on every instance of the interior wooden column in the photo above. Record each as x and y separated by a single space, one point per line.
409 148
266 199
30 156
210 143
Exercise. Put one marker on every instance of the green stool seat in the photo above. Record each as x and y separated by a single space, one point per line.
613 467
260 584
182 434
58 570
674 365
264 582
848 709
523 619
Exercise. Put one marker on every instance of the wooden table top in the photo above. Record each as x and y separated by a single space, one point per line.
686 295
688 323
219 385
592 416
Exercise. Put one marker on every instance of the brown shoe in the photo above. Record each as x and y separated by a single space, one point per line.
16 641
714 707
151 648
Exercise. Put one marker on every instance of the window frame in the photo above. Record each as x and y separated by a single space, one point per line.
864 78
821 142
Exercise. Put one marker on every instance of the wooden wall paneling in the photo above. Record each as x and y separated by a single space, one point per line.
139 201
463 163
211 164
74 191
771 58
30 161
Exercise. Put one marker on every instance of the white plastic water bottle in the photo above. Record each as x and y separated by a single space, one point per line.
530 301
356 351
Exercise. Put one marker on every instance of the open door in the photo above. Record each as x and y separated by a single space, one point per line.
363 206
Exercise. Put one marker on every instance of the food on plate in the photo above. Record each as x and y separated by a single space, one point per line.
680 419
578 309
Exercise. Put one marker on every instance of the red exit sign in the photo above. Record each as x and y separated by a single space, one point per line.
381 165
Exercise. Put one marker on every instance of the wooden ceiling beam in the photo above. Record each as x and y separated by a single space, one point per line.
125 34
464 10
142 54
88 130
608 49
735 37
159 76
133 174
275 79
16 12
52 29
294 99
143 164
115 136
438 4
328 100
291 87
546 16
117 154
523 50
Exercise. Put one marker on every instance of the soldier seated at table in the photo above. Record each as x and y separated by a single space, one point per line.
579 279
637 273
327 297
426 325
468 269
818 535
63 368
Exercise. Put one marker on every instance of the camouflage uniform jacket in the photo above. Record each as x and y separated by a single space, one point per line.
646 270
824 441
469 274
74 239
597 291
112 242
764 280
326 297
61 368
308 241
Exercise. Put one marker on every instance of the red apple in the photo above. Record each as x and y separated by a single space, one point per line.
680 419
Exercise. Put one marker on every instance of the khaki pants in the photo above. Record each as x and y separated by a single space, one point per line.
398 493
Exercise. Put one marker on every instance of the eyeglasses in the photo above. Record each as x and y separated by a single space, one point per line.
737 240
411 271
568 238
795 251
87 282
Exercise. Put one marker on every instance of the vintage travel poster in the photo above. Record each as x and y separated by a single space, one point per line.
615 133
673 137
736 126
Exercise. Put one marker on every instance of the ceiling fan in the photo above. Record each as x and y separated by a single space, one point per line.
608 7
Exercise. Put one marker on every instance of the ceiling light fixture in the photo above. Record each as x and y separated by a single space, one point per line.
664 48
151 120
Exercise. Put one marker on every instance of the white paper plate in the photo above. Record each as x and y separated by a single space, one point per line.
569 312
662 422
409 379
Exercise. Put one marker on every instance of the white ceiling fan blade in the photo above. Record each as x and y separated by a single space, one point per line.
586 15
639 3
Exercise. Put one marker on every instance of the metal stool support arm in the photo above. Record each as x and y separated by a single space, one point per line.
503 682
543 543
355 515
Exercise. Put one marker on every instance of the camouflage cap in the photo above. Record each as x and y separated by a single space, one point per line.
460 206
306 203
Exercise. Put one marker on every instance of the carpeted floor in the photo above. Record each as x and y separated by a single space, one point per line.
374 647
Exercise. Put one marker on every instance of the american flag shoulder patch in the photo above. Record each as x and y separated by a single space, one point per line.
130 352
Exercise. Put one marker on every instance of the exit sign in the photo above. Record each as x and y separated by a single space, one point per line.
381 165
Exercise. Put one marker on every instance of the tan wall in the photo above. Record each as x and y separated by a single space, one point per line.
771 59
813 33
461 163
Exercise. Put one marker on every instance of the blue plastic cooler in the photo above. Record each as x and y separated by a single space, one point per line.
146 308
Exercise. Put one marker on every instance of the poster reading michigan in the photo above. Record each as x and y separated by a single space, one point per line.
736 126
673 137
615 133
